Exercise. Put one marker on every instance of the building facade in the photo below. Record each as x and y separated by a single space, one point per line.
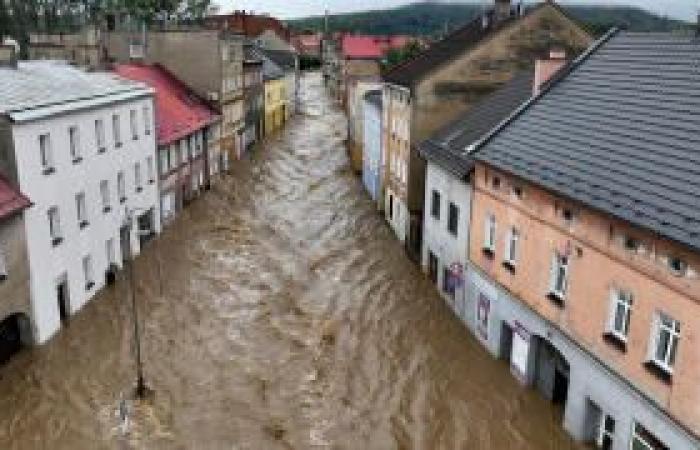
253 93
289 63
76 152
372 173
274 89
16 325
184 52
184 123
355 116
584 248
396 113
452 75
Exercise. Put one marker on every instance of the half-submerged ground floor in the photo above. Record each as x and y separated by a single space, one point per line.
598 406
396 213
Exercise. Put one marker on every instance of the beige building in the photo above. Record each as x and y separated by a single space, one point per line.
208 61
451 76
83 48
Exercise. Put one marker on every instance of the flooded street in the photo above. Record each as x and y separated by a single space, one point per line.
289 318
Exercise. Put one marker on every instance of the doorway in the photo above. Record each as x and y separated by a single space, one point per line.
125 242
63 299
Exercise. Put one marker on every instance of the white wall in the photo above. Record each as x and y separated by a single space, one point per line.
399 219
436 238
48 263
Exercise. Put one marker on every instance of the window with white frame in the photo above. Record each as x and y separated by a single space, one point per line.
149 169
642 439
138 182
559 277
183 150
666 334
109 251
104 195
74 142
116 131
121 187
174 156
81 209
511 256
45 153
164 154
490 233
146 120
605 436
620 313
100 135
87 272
3 263
134 124
55 225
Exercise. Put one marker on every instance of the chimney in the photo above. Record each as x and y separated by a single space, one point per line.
545 69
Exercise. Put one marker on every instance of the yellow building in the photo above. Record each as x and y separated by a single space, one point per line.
275 104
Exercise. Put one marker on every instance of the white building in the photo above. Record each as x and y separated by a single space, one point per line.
446 231
82 146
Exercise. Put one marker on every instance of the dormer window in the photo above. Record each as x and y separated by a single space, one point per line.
496 182
567 214
631 243
677 265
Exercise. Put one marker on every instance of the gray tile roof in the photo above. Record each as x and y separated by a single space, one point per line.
449 146
286 60
619 133
270 69
56 86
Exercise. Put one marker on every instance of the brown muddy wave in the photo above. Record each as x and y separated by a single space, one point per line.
290 318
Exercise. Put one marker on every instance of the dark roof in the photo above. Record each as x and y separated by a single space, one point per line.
374 97
286 60
449 146
618 133
270 69
11 199
250 55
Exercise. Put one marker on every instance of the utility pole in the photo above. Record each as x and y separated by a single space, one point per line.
141 388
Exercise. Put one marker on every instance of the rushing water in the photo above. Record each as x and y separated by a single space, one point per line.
289 318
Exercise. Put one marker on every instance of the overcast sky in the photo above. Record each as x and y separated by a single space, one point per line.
682 9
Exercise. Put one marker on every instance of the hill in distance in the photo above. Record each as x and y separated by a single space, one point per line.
434 19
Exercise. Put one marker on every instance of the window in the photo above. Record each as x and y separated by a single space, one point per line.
678 266
517 191
512 247
559 276
644 440
391 207
81 210
183 150
137 177
620 313
87 272
666 334
146 120
104 193
3 264
149 168
45 154
435 205
109 251
496 182
100 135
164 160
448 282
121 187
134 126
116 131
606 432
74 141
453 219
55 226
490 234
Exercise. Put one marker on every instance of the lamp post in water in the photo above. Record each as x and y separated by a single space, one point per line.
141 388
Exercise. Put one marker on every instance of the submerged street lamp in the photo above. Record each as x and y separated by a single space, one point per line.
141 388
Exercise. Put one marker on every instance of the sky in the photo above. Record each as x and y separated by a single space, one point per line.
287 9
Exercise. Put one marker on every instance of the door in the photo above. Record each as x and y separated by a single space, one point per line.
125 242
63 300
561 387
432 267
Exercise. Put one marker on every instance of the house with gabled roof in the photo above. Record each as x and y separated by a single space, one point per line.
425 93
585 242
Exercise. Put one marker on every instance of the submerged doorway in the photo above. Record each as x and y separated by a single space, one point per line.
63 299
552 373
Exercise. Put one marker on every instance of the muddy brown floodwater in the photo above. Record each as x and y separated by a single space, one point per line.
290 318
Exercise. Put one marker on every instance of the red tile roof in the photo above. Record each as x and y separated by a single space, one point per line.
11 199
179 111
371 47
